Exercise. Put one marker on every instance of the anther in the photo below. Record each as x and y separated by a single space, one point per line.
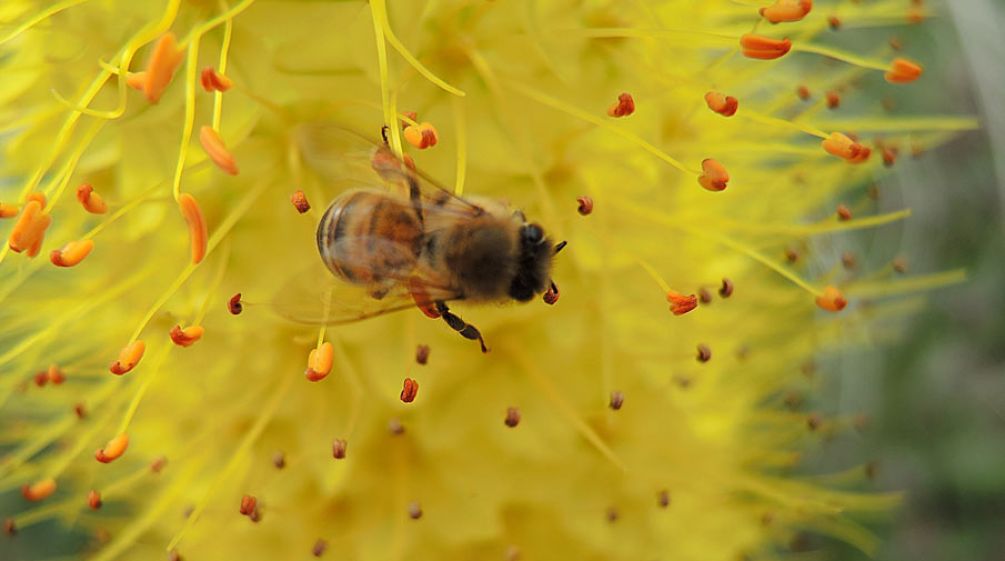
704 353
91 200
617 400
29 230
725 105
714 176
551 295
704 296
764 48
319 362
803 92
395 427
129 357
787 10
72 253
843 213
612 514
412 117
319 547
234 304
299 200
421 136
585 205
39 490
833 100
813 421
849 261
903 71
834 22
174 556
681 304
832 299
113 449
217 150
900 265
9 527
94 499
55 375
414 510
8 210
623 107
663 498
409 389
279 460
422 354
339 448
726 290
36 196
188 336
791 255
213 81
163 62
512 418
248 505
158 464
198 236
842 146
79 410
41 378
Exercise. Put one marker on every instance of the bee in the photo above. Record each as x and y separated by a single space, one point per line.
412 244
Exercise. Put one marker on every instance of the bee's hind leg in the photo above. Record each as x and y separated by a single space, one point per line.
466 330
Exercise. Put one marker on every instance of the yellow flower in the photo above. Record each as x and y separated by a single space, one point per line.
604 426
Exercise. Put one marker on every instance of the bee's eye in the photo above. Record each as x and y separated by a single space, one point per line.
532 233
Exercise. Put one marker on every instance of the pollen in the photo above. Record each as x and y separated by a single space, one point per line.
198 236
113 449
39 490
29 230
91 200
681 304
217 150
842 146
129 357
421 136
319 362
72 253
714 176
725 105
787 10
161 68
764 48
213 81
623 107
903 71
409 389
188 336
831 299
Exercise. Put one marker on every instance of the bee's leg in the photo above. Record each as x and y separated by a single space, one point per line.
415 195
466 330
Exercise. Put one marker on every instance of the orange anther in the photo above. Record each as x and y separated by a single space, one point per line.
129 357
903 71
91 201
160 69
94 499
889 156
72 253
623 107
803 92
188 336
842 146
39 490
833 100
158 464
8 210
722 104
55 375
137 80
832 299
248 505
585 205
217 150
319 362
681 304
421 136
299 200
29 230
843 213
41 378
196 226
409 389
714 176
764 48
113 449
212 81
834 22
411 117
36 196
787 10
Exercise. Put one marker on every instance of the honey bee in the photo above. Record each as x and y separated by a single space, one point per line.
414 244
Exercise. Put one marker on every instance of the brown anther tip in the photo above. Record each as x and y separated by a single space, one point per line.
714 176
421 136
831 299
726 290
422 354
174 556
681 304
704 353
188 336
623 107
833 100
585 205
512 418
843 213
617 400
79 410
9 527
213 81
793 400
895 43
704 296
129 357
834 22
94 499
299 200
663 498
248 505
900 265
512 553
813 421
903 71
279 460
39 490
234 304
319 547
409 389
158 464
725 105
764 48
255 516
197 230
217 150
414 510
113 449
339 447
90 200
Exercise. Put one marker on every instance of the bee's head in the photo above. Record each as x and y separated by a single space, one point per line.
533 265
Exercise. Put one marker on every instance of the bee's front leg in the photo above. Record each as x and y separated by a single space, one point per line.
466 330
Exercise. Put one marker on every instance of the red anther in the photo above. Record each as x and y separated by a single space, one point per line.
681 304
408 390
833 100
279 460
319 362
113 449
94 499
843 213
39 490
158 464
803 92
704 353
663 498
421 136
585 205
414 510
512 418
217 150
91 200
339 448
727 288
623 107
129 357
834 22
319 548
234 304
248 505
903 71
764 48
422 354
299 200
714 176
725 105
787 10
55 375
212 81
188 336
41 378
9 527
617 400
831 299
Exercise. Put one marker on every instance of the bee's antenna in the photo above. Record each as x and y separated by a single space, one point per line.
559 247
